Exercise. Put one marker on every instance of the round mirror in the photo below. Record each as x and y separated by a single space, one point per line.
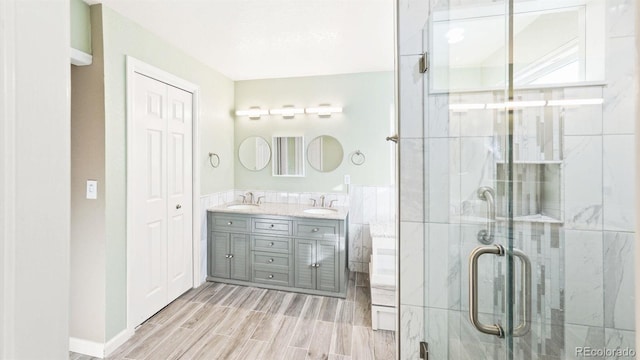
324 153
254 153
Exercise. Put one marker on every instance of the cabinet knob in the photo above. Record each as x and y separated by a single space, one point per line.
317 265
230 256
271 276
315 230
270 261
271 243
230 223
271 226
226 256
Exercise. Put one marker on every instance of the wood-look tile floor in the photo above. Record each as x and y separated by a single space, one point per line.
221 321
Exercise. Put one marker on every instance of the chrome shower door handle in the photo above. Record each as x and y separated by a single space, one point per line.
498 250
525 324
488 194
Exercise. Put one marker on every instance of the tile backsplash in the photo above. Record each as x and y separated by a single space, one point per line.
367 205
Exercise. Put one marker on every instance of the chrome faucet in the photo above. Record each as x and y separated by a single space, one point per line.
250 195
332 202
260 198
321 200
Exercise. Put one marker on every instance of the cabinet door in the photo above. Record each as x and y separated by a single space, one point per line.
218 251
239 244
328 266
305 275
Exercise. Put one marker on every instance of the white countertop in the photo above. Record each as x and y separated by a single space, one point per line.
280 209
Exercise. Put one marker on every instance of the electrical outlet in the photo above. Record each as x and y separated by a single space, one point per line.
92 189
347 179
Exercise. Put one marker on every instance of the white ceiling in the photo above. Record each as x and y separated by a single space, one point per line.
257 39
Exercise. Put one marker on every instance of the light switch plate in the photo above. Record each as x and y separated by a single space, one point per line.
92 189
347 179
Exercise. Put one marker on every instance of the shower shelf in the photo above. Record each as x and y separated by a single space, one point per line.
537 191
535 218
532 162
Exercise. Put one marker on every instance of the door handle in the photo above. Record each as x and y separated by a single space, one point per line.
178 206
498 250
487 194
393 138
525 325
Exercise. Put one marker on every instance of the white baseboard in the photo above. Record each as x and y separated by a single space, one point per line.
117 340
96 349
86 347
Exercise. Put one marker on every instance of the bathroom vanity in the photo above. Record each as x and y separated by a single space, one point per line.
279 246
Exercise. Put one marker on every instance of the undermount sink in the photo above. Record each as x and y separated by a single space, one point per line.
320 211
242 206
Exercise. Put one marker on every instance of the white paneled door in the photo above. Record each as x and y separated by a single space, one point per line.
162 196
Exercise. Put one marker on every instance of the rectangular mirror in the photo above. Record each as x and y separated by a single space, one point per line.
288 156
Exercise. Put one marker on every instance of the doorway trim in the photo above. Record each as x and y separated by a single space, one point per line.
136 66
7 179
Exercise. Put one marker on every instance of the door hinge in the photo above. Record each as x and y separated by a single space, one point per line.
424 350
424 63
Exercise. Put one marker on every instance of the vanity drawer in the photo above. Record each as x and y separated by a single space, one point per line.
316 229
230 223
271 244
269 260
271 277
271 226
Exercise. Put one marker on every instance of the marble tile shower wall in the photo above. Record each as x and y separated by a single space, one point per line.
367 204
583 292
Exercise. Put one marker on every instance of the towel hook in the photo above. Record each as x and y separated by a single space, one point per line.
358 158
217 162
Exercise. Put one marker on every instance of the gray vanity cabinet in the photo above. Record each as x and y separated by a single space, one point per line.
230 256
316 265
219 254
280 252
229 247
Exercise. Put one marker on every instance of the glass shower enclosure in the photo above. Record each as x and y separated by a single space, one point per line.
523 168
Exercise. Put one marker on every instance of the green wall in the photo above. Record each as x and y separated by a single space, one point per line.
80 26
367 100
123 37
88 217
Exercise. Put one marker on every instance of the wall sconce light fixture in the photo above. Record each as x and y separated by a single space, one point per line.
323 110
287 112
253 113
